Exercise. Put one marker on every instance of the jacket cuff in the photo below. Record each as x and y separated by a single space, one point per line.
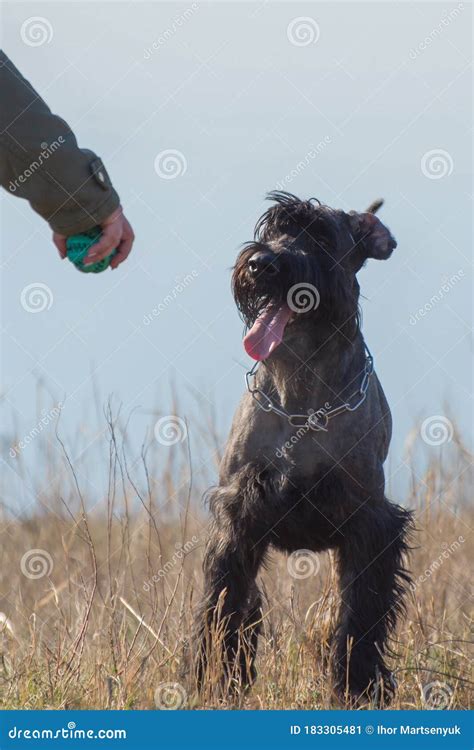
79 220
99 196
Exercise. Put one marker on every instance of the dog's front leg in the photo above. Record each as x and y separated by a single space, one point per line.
372 582
230 611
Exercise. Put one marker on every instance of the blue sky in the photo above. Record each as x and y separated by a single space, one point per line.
355 101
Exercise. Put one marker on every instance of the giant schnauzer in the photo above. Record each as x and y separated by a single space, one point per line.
303 466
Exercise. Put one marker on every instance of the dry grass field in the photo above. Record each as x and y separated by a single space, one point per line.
97 590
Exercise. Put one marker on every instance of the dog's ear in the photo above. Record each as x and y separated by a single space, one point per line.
372 239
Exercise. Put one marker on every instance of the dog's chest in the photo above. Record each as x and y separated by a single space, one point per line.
307 449
266 439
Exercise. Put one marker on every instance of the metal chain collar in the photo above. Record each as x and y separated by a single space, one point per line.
318 419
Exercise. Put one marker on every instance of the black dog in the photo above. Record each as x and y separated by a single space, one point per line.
303 467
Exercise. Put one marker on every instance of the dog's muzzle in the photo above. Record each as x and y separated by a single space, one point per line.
263 263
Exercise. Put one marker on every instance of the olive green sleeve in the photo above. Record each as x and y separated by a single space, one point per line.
41 161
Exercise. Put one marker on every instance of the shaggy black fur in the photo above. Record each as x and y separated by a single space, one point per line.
326 489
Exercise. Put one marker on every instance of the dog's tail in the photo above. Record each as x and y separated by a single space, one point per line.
374 206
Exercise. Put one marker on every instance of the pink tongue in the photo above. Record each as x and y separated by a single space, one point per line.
267 332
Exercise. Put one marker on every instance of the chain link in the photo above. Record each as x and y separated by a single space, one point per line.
318 419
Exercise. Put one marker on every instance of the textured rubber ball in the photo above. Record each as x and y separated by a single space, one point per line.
77 247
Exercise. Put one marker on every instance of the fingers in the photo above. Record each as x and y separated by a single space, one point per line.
60 242
123 250
116 234
110 239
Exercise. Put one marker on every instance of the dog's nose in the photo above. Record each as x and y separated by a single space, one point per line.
262 263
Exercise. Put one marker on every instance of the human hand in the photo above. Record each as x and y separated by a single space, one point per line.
116 234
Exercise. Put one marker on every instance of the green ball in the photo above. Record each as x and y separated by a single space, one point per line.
78 246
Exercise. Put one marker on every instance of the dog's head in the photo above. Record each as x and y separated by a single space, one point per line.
301 269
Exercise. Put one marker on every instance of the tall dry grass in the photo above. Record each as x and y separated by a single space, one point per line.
98 586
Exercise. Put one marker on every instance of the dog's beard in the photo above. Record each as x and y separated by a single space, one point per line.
265 312
264 304
267 306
